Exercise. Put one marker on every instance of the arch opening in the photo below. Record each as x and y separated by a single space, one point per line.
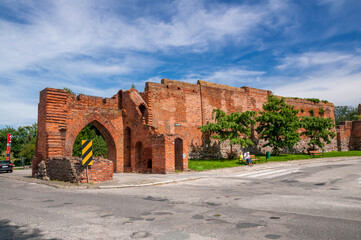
142 109
149 165
100 148
103 142
178 154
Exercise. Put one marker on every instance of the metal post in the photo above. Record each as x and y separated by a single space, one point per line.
87 177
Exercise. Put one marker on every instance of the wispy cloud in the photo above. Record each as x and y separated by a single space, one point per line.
335 76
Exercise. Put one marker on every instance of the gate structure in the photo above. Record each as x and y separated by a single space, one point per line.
131 142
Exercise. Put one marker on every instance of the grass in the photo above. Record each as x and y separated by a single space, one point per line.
202 164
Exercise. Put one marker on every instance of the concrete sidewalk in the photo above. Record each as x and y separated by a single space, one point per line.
125 180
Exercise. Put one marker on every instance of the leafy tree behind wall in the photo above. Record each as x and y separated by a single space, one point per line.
318 129
92 133
278 124
22 143
236 127
345 113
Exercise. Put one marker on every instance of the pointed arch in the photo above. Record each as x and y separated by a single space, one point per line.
104 128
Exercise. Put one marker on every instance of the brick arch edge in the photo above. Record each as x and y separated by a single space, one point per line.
111 135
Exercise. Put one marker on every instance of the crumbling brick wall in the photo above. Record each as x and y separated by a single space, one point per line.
71 170
62 115
157 130
180 108
349 134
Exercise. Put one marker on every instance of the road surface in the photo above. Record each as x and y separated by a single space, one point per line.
281 201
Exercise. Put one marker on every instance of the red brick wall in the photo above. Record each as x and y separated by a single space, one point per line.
100 171
349 135
180 108
70 170
61 116
141 133
156 117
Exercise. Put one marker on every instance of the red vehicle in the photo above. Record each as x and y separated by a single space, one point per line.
6 166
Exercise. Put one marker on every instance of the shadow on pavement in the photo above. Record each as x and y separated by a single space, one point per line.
8 231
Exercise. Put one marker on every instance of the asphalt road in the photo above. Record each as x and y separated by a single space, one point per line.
288 201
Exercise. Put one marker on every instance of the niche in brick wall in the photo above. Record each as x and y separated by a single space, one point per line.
178 152
127 149
139 156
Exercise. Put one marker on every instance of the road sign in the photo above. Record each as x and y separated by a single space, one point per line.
87 152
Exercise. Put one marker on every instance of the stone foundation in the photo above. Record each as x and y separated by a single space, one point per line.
70 170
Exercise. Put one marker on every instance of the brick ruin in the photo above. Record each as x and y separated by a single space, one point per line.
349 134
157 130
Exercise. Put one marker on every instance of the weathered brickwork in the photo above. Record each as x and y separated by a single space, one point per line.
70 170
180 108
157 130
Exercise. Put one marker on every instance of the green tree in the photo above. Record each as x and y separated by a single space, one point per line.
3 156
278 124
92 133
24 135
3 136
318 129
27 151
236 127
22 138
345 113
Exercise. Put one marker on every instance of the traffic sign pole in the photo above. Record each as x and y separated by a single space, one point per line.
87 176
87 155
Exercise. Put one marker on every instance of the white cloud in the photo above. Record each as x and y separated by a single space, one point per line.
320 59
334 76
230 76
68 27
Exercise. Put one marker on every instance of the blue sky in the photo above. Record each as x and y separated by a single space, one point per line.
293 48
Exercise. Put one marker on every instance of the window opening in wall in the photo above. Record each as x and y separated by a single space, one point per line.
100 148
178 88
149 164
142 109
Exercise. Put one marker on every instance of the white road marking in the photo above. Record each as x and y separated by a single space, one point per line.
270 173
266 173
281 174
250 173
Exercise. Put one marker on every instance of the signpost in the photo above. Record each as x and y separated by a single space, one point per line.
8 147
87 155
